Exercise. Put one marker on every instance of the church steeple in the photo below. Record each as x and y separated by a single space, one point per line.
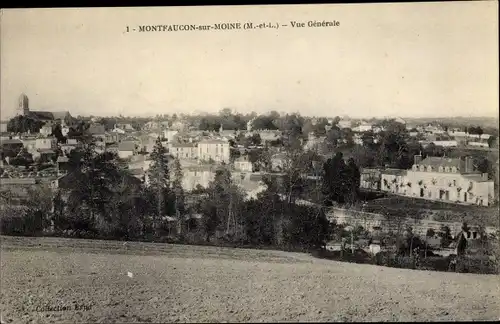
23 107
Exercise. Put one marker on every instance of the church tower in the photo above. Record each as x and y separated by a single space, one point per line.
23 108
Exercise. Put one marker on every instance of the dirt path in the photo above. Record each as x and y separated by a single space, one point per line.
45 280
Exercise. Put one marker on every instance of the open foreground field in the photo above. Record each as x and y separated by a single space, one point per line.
51 280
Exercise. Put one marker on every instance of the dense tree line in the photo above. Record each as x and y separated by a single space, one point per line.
98 198
24 124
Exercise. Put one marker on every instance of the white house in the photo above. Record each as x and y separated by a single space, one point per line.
345 123
216 150
118 130
46 130
170 134
441 178
243 164
183 150
445 143
46 143
126 149
364 127
196 175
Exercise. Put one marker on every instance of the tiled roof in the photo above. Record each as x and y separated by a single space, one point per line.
44 115
60 114
394 171
126 146
62 159
46 151
11 141
436 162
243 158
96 130
477 177
213 141
201 167
183 144
136 171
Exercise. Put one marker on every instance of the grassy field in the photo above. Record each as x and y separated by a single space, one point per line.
53 280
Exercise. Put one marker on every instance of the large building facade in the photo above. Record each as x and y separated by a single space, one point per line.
216 150
442 179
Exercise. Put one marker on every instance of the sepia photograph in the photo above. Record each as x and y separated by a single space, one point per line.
251 163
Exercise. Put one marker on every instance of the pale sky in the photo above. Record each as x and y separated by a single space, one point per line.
408 60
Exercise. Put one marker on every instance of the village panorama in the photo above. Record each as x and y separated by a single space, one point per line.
345 200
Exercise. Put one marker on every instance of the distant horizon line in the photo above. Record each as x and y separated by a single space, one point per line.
342 116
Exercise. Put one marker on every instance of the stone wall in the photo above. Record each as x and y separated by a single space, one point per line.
370 220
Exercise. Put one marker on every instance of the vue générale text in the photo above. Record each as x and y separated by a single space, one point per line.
233 26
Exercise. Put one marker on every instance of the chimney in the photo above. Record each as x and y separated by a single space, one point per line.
469 166
417 159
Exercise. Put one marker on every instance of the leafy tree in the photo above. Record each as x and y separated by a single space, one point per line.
227 199
292 129
57 133
24 124
33 215
352 181
58 213
91 185
78 130
178 191
264 122
319 128
476 130
333 136
347 136
333 179
294 167
159 178
445 234
210 218
307 128
22 158
363 156
493 141
255 139
126 209
393 144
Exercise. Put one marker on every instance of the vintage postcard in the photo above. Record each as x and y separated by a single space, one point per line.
267 163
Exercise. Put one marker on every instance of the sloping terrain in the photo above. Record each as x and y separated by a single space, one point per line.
47 280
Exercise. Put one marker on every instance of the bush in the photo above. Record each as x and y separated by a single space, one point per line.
394 260
22 223
480 265
434 263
